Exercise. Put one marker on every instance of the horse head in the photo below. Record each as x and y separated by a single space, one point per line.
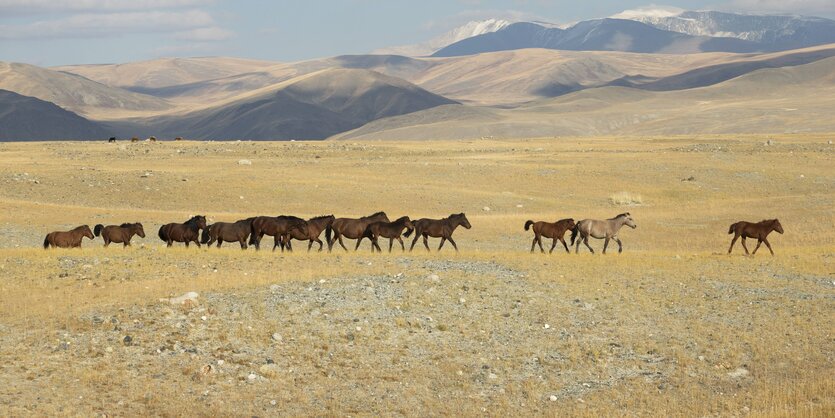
87 232
775 224
570 223
200 220
462 220
627 220
139 229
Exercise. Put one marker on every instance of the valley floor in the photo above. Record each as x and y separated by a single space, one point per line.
671 327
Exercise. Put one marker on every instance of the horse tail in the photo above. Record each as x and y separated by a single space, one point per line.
46 242
205 238
162 235
528 225
97 230
731 229
409 231
328 232
574 232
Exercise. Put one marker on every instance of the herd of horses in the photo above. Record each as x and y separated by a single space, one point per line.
284 229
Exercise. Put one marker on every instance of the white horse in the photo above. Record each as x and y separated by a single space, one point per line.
607 230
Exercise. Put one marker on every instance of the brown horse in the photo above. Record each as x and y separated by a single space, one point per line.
351 228
390 230
185 232
67 239
438 228
276 226
119 233
555 231
759 230
237 231
315 226
601 229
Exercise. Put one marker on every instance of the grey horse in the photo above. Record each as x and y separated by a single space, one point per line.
601 229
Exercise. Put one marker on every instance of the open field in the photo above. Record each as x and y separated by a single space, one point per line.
671 327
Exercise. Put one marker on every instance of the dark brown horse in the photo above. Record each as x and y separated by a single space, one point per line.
119 233
276 226
555 231
438 228
315 226
67 239
351 228
390 230
186 232
759 230
221 232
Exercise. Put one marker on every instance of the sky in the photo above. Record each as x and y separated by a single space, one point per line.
60 32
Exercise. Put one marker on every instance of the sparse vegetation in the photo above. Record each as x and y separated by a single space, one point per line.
626 199
671 327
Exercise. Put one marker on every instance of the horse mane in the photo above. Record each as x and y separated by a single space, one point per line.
126 225
80 227
193 220
622 214
320 217
375 214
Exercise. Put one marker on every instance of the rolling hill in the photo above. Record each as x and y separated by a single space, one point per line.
313 106
24 118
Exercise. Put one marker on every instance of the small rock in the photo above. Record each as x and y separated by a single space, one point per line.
273 402
244 162
128 340
277 337
553 398
738 373
493 376
701 358
547 326
220 362
434 277
269 370
486 208
146 175
251 377
189 298
520 206
462 300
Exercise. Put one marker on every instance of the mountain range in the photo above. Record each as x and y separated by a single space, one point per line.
635 72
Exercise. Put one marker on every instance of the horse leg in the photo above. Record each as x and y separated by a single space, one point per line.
402 245
414 241
242 241
620 245
605 244
759 242
765 240
126 244
359 240
391 243
451 241
562 240
539 241
310 244
733 241
426 242
106 242
586 241
342 244
219 242
289 244
320 244
277 242
553 245
744 246
443 240
533 244
577 247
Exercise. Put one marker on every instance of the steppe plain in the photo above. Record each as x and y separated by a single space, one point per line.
671 327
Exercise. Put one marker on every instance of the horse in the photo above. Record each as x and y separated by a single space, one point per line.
601 229
134 139
351 228
277 226
555 231
438 228
119 233
67 239
759 230
315 226
237 231
112 139
390 230
185 232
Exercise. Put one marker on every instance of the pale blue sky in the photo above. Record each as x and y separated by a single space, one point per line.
56 32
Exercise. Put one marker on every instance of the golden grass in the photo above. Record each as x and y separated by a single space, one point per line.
672 296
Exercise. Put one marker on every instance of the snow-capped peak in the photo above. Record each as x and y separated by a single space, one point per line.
648 13
468 30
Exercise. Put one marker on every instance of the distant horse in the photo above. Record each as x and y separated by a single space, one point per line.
119 233
601 229
237 231
555 231
759 230
152 139
68 239
276 226
438 228
179 138
185 232
134 139
390 230
351 228
112 139
315 226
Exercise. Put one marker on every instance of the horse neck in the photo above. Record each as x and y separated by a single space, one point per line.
617 223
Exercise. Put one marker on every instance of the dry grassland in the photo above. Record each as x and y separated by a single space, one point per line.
671 327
